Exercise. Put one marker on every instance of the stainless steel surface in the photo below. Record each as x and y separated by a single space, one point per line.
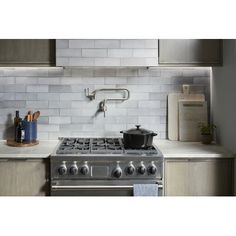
92 95
101 167
190 52
98 188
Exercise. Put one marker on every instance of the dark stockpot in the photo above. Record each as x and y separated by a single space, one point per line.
137 138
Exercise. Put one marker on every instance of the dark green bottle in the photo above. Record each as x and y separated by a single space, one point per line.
16 122
19 132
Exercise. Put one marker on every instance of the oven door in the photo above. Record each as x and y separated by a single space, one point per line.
96 188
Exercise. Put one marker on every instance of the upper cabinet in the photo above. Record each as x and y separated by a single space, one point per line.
190 52
27 52
107 52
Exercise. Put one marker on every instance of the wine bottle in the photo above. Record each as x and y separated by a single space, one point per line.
20 132
16 122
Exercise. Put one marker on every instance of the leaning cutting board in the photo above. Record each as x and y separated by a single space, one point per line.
191 113
173 111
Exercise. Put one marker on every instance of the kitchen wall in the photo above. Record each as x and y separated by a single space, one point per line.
107 52
65 111
224 96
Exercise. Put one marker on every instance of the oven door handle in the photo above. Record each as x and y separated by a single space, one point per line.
94 187
90 187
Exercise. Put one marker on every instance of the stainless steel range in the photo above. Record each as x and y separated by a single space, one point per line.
103 167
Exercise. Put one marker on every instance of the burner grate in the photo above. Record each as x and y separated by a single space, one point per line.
100 146
106 145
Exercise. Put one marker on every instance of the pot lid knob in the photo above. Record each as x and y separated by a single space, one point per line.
138 126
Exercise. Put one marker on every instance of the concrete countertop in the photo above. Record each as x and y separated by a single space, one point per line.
176 149
170 149
42 150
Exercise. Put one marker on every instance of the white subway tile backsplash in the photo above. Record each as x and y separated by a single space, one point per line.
36 104
49 112
79 61
107 61
103 52
45 80
71 96
145 53
104 72
7 80
43 120
56 71
81 72
135 61
149 104
62 61
139 96
107 43
94 52
7 96
26 96
48 128
13 104
59 120
60 88
81 43
156 72
68 52
126 72
139 43
158 96
115 80
27 80
43 135
66 111
48 96
11 88
62 43
30 71
82 120
148 120
37 88
120 53
59 104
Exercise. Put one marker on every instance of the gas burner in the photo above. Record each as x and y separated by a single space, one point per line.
101 146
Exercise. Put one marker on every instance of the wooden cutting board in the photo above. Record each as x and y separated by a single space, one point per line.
173 111
191 113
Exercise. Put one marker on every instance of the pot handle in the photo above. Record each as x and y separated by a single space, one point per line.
121 132
154 134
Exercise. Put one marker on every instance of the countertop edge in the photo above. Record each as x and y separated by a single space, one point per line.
178 151
26 156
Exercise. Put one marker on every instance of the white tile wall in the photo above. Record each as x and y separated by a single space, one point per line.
103 52
65 111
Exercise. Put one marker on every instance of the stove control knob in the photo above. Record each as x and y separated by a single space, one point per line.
117 172
62 170
73 170
84 170
130 169
141 169
152 169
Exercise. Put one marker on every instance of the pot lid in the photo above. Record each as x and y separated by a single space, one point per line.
138 131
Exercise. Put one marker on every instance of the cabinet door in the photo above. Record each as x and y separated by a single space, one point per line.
199 177
204 52
176 178
27 52
211 177
24 177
